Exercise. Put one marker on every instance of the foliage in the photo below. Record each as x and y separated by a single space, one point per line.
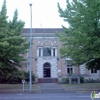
81 40
91 80
27 77
16 77
22 76
74 80
64 81
81 79
11 78
12 45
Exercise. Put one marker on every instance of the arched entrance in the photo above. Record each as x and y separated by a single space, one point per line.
47 70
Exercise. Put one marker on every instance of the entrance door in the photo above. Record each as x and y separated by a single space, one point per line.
47 70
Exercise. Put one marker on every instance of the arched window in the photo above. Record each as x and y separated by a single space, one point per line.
46 65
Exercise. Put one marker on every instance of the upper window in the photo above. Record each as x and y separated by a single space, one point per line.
69 69
47 51
93 70
39 52
53 51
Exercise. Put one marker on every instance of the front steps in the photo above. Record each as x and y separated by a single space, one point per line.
51 88
48 80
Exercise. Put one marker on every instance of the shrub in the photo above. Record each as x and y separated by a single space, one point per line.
27 77
64 80
11 78
81 79
97 80
16 77
90 80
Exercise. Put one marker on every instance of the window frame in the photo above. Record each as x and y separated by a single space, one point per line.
54 52
39 52
70 68
93 71
48 53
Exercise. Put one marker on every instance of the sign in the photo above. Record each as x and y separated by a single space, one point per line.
59 70
23 81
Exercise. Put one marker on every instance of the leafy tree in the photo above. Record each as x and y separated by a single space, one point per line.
12 45
18 45
81 40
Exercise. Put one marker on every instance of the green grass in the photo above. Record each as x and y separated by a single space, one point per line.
18 87
87 86
36 88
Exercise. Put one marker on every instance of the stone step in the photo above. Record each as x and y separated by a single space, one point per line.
51 88
48 81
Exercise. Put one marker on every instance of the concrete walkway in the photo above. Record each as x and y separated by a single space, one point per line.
51 88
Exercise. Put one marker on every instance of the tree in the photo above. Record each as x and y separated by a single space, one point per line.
81 40
12 45
18 45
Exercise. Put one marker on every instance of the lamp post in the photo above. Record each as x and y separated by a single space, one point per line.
30 62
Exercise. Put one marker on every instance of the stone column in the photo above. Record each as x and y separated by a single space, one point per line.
51 51
41 51
37 52
56 52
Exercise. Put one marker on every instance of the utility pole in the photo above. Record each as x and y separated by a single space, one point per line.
30 62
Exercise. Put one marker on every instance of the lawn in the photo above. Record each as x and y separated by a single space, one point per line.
18 87
13 88
82 87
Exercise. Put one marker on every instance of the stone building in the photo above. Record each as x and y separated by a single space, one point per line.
47 63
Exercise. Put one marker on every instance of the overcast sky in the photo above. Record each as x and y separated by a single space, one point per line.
44 12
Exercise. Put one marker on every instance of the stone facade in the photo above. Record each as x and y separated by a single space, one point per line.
46 59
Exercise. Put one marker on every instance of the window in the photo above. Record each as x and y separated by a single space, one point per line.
39 52
93 70
53 51
69 69
47 51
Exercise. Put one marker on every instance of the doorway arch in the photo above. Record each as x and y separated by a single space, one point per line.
47 70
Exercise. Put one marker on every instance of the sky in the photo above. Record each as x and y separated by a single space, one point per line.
44 12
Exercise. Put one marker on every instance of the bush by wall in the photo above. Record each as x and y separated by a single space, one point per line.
90 80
